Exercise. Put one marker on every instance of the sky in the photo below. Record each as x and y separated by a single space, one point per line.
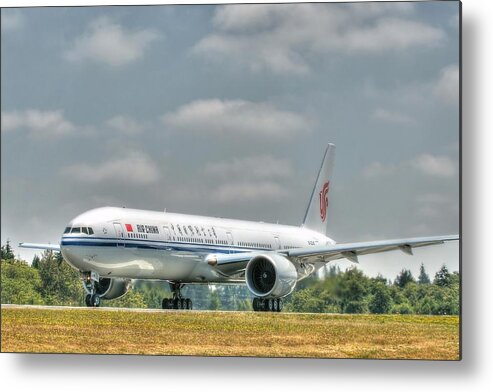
227 110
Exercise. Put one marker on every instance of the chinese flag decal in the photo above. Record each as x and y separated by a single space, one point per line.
128 226
324 201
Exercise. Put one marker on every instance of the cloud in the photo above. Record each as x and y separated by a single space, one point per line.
109 43
427 164
132 168
378 169
447 86
12 20
283 39
38 122
248 191
125 124
439 166
255 167
392 117
236 117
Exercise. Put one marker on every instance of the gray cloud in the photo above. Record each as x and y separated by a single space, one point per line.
278 38
427 164
109 43
392 117
447 86
12 20
125 124
134 168
236 118
256 167
439 166
248 191
38 123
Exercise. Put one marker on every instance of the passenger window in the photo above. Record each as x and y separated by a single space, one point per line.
84 230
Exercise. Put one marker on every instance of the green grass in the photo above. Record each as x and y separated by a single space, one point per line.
104 331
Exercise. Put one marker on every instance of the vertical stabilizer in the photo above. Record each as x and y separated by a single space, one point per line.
316 213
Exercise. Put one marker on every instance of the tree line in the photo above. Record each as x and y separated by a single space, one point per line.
49 280
350 291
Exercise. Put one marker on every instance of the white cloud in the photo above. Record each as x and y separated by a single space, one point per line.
109 43
447 86
236 117
132 168
377 169
439 166
38 122
392 117
12 20
256 167
428 164
125 124
248 191
283 38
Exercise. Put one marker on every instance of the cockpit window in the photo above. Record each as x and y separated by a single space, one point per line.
67 230
84 230
75 230
89 229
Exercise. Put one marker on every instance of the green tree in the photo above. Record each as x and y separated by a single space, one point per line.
305 300
6 252
35 262
61 284
215 303
380 301
133 299
20 283
352 289
442 277
404 277
423 277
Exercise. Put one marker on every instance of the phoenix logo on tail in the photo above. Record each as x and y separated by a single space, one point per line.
324 201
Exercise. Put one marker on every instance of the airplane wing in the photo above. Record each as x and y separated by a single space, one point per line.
351 251
233 263
55 247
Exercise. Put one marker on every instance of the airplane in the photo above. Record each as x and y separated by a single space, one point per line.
112 246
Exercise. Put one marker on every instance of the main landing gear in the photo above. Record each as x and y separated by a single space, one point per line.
92 297
267 304
177 302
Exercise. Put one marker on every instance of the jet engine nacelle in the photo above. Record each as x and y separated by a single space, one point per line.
111 288
270 275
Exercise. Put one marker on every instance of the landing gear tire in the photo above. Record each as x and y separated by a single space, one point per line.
94 300
267 304
88 300
177 302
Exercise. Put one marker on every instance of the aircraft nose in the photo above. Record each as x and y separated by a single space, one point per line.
73 257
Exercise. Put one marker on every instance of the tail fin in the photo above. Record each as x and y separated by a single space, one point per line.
316 213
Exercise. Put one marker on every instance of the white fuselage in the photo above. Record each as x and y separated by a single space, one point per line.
139 244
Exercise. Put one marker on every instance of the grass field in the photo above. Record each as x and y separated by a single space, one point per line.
104 331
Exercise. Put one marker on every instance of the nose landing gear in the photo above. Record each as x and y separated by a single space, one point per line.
267 304
177 302
92 298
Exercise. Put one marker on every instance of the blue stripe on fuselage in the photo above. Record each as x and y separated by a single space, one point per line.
153 244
